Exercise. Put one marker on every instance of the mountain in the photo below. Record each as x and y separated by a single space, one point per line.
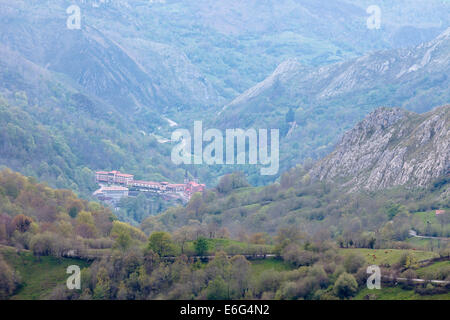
59 133
394 161
106 96
130 74
75 101
328 100
408 75
236 44
391 147
200 53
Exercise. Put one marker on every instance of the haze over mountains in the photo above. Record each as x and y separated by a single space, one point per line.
136 53
98 98
339 95
400 71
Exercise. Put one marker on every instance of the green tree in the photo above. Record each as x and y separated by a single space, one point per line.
353 262
345 286
201 246
161 243
123 241
217 290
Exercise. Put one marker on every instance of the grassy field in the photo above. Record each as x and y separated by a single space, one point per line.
387 256
38 277
427 216
258 266
435 268
397 293
423 243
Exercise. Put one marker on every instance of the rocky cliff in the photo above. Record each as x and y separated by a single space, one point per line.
391 147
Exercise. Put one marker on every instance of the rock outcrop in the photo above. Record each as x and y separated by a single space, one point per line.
391 147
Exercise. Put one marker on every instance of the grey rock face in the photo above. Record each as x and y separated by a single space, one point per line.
391 147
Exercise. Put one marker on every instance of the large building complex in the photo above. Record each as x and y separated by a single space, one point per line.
115 185
113 177
113 193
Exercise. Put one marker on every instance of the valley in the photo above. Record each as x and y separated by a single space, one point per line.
318 234
225 150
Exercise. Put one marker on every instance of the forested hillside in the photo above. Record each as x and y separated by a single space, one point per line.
62 143
387 171
106 91
89 85
43 231
313 107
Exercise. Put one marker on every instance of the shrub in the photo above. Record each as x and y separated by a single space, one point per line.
8 280
353 262
345 286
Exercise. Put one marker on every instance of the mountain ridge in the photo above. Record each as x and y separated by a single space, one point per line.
391 147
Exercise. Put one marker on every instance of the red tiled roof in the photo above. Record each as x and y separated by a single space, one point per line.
195 184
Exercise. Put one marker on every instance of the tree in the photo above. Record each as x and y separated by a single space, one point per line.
85 217
183 235
195 205
21 223
8 281
232 181
353 262
393 209
288 235
103 286
201 246
122 227
151 261
297 256
217 290
408 260
345 286
123 241
241 273
74 207
42 244
259 238
161 243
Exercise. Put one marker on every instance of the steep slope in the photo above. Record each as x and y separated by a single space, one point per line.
406 74
391 147
391 166
238 43
329 100
60 133
75 101
107 67
110 85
